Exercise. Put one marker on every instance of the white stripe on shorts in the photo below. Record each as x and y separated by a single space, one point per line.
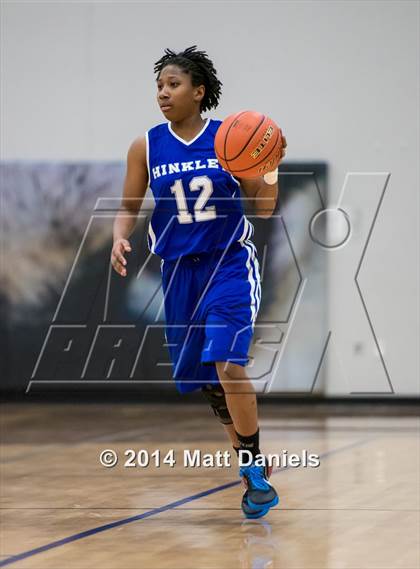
254 281
256 266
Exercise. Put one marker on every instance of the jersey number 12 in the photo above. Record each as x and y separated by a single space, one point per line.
200 212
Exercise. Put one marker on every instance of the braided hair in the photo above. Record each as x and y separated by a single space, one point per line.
202 71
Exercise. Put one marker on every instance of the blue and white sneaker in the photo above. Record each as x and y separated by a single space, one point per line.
260 496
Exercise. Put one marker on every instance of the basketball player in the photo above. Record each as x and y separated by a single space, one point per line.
209 266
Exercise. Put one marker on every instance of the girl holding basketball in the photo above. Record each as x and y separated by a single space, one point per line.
210 270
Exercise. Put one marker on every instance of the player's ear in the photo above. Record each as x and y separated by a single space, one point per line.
199 93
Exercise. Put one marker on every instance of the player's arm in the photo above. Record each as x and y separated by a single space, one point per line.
135 187
263 191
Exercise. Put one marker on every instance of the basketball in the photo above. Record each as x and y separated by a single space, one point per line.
248 144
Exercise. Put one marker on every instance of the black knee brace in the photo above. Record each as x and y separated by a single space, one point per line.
216 397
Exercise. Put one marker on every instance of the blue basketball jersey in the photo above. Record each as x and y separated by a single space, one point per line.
198 205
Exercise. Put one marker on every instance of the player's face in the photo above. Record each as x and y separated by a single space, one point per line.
177 97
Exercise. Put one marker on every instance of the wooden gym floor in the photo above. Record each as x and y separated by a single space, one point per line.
62 509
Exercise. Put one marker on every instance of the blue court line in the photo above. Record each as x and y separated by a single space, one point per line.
153 512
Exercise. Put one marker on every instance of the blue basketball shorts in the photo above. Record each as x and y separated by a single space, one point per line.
211 302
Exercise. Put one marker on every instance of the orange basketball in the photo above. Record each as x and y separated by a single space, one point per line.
248 144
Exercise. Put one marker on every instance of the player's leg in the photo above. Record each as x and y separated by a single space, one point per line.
215 395
241 402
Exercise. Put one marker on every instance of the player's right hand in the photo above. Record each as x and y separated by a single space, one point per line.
118 261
